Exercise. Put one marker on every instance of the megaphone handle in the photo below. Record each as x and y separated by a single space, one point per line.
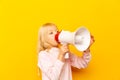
66 55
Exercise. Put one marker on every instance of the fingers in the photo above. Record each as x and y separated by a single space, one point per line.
64 49
91 41
92 38
65 46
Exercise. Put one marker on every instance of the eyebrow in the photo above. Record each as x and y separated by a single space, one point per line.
53 30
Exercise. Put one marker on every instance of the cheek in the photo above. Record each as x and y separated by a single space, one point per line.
50 38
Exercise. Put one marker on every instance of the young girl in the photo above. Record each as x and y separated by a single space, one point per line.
51 59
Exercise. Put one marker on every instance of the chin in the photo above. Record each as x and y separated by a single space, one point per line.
56 44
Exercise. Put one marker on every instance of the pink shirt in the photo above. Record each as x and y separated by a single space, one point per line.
54 69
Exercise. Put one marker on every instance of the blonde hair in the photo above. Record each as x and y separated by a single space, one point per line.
42 45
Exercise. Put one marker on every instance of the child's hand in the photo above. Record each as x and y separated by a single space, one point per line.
64 49
92 40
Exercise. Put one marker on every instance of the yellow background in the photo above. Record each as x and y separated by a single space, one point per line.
21 19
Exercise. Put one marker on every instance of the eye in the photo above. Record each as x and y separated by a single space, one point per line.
51 33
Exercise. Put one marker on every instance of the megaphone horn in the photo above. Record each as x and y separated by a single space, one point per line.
80 38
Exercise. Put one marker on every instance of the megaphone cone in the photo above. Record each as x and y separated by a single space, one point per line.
80 38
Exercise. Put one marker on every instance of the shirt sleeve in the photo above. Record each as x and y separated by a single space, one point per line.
80 62
51 70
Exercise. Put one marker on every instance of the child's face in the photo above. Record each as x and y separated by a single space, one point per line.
50 36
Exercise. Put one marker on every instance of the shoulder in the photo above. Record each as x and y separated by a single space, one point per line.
52 52
55 49
42 54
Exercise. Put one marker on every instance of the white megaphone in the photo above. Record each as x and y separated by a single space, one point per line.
80 38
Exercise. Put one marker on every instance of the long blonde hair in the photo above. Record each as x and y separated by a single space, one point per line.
42 45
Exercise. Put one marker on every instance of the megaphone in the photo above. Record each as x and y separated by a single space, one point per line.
80 38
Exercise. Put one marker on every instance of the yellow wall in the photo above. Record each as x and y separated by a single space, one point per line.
20 21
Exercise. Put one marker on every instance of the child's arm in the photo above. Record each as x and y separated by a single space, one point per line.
51 70
80 62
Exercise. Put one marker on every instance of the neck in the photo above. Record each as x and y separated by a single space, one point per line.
48 48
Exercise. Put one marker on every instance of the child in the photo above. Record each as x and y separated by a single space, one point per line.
51 59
